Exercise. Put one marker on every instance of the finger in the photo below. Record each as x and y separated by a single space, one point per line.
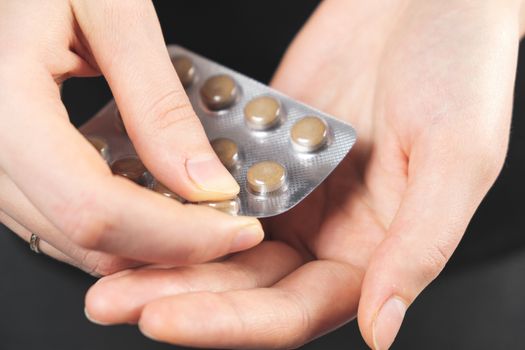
22 212
120 298
76 192
25 234
156 110
440 200
313 300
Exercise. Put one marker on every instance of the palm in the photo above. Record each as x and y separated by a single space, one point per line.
391 89
397 74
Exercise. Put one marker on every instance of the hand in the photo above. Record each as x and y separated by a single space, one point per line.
428 85
52 181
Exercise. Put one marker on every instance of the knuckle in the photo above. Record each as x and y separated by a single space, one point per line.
433 262
86 223
172 110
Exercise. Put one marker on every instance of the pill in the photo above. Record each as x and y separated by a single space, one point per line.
185 70
100 145
219 92
309 134
230 206
163 190
130 168
227 151
262 113
266 176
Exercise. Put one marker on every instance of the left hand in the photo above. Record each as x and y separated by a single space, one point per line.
428 85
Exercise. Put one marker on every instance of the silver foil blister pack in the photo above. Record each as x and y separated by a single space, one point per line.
304 168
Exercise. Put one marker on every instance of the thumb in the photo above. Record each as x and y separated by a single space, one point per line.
126 41
441 197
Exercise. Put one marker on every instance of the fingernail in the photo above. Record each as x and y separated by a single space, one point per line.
92 320
247 237
210 175
388 322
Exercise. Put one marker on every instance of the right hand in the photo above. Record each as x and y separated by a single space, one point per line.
52 181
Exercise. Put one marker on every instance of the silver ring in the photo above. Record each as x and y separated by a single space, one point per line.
34 243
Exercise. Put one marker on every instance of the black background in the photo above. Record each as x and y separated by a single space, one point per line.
477 303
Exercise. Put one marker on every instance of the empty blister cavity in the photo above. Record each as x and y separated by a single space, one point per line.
265 177
185 70
227 151
309 134
230 206
262 113
130 168
219 92
100 145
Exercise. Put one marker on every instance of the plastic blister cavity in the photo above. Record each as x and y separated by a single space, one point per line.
278 149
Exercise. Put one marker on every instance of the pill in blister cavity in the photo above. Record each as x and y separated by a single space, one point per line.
309 134
130 168
163 190
100 145
219 92
265 177
244 107
229 206
185 70
227 151
262 113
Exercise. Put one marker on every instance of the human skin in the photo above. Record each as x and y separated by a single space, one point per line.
429 86
52 181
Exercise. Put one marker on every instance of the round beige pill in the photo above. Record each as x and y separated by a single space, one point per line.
130 168
309 134
262 113
219 92
100 145
266 176
185 70
230 206
163 190
227 151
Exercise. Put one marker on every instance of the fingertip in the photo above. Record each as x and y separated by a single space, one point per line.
196 176
96 307
150 322
93 319
211 178
162 320
103 304
387 323
194 319
247 237
383 301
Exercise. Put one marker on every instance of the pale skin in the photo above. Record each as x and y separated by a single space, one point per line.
428 85
52 181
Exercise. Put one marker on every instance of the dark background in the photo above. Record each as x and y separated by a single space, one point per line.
477 303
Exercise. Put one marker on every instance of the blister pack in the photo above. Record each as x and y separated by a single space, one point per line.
278 149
